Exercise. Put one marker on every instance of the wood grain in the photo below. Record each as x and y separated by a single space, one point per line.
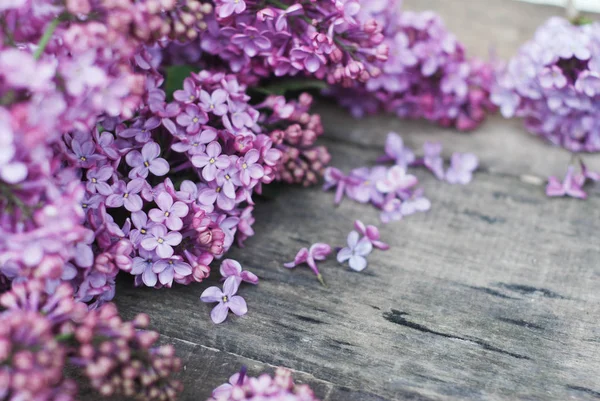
491 295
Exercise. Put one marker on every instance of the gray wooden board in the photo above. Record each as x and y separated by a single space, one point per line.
491 295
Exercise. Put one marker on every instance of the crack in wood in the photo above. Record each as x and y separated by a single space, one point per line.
483 217
396 316
490 291
529 290
520 322
593 393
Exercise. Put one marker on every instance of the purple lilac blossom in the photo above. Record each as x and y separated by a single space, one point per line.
356 251
227 300
553 84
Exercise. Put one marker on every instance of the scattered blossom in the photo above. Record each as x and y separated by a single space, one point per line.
227 300
356 251
317 252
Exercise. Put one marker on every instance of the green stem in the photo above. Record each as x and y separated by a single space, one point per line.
46 38
321 280
61 338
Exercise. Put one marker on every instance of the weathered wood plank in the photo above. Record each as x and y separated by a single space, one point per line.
491 295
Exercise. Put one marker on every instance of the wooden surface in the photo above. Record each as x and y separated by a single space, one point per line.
491 295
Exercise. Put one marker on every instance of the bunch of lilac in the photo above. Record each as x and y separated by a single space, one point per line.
553 83
324 39
393 189
263 388
64 66
294 132
41 334
427 74
233 275
165 230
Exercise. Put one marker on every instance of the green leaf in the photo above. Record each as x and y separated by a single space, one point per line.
280 87
175 76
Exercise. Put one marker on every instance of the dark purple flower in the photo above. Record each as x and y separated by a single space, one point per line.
304 58
227 300
188 94
85 153
147 161
141 129
127 195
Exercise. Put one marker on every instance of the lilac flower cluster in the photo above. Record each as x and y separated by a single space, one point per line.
294 133
324 39
393 189
263 388
427 74
232 273
171 231
40 334
553 83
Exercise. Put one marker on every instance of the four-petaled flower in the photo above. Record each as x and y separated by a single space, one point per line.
162 241
433 160
232 268
147 161
127 195
249 168
396 181
192 118
251 41
215 102
227 300
356 251
396 151
571 186
228 7
462 166
211 161
372 234
169 213
97 180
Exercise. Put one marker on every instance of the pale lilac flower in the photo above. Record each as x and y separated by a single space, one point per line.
215 102
552 77
127 195
356 251
372 233
229 179
462 166
569 187
188 94
433 160
227 7
335 178
192 119
214 193
162 241
147 161
212 161
142 227
82 73
143 264
141 129
251 41
396 151
227 300
396 180
249 168
304 58
391 210
232 268
97 180
416 202
363 187
169 213
167 269
194 145
317 251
